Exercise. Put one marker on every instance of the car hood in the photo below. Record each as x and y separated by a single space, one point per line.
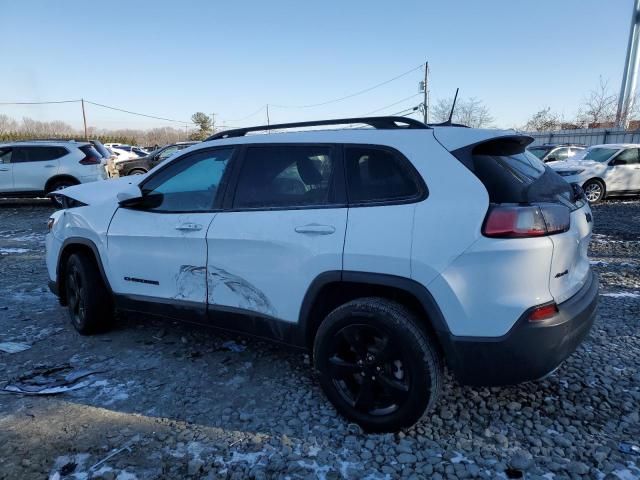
100 191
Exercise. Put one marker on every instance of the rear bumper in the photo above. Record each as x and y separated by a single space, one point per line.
529 350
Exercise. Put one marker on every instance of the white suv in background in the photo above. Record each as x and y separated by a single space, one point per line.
603 170
35 168
386 251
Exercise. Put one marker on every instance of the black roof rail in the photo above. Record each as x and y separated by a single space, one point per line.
382 123
448 124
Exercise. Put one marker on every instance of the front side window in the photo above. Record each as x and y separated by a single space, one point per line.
599 154
559 154
37 154
627 157
285 176
376 175
188 185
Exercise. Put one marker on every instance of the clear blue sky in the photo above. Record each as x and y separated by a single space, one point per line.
173 58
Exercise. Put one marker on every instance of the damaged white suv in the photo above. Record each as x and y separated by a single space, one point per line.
389 251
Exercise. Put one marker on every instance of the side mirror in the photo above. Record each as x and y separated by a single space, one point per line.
618 161
550 159
129 196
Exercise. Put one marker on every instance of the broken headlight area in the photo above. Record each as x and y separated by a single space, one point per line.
66 202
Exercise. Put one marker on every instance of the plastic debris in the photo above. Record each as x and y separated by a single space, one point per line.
14 347
629 448
233 346
46 380
111 455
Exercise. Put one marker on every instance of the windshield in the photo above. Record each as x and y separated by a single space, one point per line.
599 154
539 152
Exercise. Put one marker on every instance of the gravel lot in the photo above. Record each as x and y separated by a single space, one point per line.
171 400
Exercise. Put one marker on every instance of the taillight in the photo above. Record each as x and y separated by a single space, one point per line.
90 160
520 221
543 312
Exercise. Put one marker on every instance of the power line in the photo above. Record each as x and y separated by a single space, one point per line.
391 104
248 116
39 103
136 113
352 94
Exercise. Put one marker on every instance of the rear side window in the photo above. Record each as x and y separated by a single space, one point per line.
627 157
378 175
285 176
37 154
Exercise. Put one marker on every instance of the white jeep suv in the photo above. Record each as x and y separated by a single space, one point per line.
388 252
35 168
603 170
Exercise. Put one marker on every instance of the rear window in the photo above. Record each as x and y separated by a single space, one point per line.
101 149
511 174
89 151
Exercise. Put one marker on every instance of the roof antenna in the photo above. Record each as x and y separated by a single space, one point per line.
448 122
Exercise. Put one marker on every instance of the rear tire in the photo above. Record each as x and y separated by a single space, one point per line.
377 366
594 190
137 171
88 300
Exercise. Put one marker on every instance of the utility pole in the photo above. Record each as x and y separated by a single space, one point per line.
268 121
630 75
426 93
84 119
213 122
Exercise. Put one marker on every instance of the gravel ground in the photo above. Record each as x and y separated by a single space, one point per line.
169 400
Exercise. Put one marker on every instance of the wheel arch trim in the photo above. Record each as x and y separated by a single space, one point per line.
85 242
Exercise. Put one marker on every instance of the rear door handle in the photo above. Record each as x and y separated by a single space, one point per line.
4 169
189 227
315 229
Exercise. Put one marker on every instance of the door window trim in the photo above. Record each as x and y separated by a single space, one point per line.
222 187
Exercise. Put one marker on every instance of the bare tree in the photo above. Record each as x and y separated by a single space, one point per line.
598 107
7 124
471 112
543 121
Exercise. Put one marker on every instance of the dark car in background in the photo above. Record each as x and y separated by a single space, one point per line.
140 166
557 152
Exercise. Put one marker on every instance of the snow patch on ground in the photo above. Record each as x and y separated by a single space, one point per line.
10 250
621 294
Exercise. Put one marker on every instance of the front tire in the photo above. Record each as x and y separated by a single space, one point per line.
594 190
88 300
377 365
137 171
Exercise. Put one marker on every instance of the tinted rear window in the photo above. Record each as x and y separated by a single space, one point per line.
89 151
511 174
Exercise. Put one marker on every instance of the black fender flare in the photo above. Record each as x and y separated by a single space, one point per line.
86 243
416 289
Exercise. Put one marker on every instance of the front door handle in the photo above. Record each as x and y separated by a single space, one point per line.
50 166
315 229
189 227
4 169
